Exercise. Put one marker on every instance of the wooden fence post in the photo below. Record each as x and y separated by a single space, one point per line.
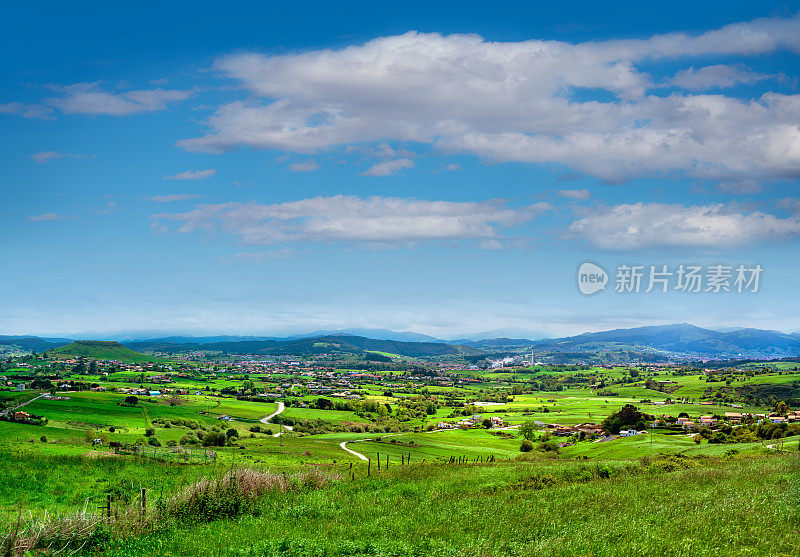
144 502
379 462
369 465
108 506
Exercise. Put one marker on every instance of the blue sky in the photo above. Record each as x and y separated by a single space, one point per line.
443 168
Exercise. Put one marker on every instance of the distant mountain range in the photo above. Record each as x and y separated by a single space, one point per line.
683 340
677 341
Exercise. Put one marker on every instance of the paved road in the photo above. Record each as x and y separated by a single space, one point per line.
7 410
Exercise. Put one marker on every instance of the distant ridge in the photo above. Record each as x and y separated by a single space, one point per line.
36 344
97 349
684 339
678 340
327 344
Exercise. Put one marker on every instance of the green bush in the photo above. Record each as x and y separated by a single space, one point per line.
214 439
526 446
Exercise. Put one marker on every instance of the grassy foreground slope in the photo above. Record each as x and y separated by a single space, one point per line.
671 506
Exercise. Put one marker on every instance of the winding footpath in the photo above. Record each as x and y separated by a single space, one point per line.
266 419
281 408
343 445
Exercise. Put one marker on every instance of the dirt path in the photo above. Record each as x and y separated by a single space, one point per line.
343 445
281 408
266 419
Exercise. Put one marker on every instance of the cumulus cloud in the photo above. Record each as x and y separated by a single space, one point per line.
191 175
374 220
717 76
514 101
88 98
578 195
173 197
387 168
43 157
644 225
304 166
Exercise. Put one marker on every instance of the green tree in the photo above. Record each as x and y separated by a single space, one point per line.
528 430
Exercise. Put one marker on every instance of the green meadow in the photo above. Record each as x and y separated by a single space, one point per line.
447 492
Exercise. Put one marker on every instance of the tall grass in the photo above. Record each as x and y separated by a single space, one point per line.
229 495
688 507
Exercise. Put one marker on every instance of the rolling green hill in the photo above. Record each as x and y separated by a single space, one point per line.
330 344
98 349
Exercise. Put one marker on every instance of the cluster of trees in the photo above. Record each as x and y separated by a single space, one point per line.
628 416
213 438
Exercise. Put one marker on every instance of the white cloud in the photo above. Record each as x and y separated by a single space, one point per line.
375 220
110 207
260 256
191 175
578 195
49 217
740 187
514 102
304 166
719 75
640 225
43 157
26 110
791 204
387 168
88 98
173 197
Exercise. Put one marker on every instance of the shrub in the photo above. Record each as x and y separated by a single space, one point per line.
189 439
526 446
231 433
153 442
551 445
214 439
149 432
43 438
